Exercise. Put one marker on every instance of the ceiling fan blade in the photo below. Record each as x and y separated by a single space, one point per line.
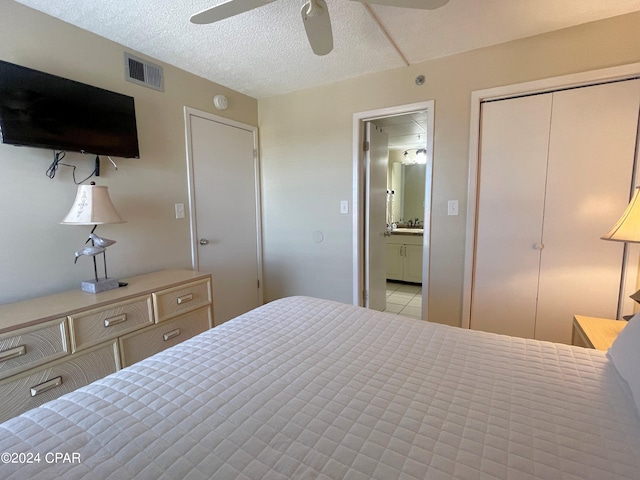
421 4
226 10
317 23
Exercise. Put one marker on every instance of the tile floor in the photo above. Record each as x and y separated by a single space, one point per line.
404 299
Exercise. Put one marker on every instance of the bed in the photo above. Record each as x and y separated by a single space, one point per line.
303 388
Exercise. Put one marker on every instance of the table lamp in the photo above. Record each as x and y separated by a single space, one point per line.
627 228
93 206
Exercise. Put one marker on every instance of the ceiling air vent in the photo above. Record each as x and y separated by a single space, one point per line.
143 73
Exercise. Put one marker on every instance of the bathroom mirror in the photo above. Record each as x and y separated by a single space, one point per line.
408 184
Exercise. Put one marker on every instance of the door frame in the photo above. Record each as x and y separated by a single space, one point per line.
193 228
359 191
621 72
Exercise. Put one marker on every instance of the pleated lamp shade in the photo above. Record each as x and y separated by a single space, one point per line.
92 206
627 228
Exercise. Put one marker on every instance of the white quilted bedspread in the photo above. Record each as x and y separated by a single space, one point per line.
308 389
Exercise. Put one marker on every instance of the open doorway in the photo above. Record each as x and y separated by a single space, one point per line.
393 151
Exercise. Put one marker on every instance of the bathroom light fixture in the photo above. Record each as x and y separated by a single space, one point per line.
407 159
420 157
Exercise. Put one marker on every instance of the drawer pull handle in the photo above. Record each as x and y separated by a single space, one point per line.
45 386
13 353
171 334
185 298
108 322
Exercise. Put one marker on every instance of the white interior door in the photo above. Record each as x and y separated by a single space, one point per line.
591 157
377 158
513 165
555 173
225 211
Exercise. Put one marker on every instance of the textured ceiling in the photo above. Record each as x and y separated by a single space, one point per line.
265 52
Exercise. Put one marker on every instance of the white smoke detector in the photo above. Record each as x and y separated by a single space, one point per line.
220 102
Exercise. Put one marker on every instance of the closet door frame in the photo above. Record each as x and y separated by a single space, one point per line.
539 86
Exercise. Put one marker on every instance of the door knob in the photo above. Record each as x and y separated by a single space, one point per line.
539 246
204 241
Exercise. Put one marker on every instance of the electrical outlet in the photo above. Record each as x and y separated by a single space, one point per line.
179 210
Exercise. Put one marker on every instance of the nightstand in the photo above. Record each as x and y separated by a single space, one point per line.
598 333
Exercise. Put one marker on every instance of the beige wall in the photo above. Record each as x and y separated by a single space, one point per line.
306 141
36 253
306 151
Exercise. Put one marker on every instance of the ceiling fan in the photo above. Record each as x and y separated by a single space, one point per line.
315 16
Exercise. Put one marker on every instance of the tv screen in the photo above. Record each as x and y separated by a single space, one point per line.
46 111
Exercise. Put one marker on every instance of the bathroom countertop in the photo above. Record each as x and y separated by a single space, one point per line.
408 231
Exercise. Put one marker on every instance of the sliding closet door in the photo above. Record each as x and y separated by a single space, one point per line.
555 173
591 154
515 136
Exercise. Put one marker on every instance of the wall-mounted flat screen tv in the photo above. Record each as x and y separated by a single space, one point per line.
46 111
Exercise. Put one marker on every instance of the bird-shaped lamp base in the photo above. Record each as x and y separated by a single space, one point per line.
100 285
98 246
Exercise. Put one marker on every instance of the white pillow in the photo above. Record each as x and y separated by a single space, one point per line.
625 355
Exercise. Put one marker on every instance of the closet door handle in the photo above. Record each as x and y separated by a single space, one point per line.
539 246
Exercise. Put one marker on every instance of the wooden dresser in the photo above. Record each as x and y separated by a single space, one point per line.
52 345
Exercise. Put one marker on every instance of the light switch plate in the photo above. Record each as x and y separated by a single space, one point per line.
452 207
344 206
179 210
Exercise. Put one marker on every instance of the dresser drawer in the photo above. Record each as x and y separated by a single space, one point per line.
35 387
96 326
29 347
139 345
185 298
